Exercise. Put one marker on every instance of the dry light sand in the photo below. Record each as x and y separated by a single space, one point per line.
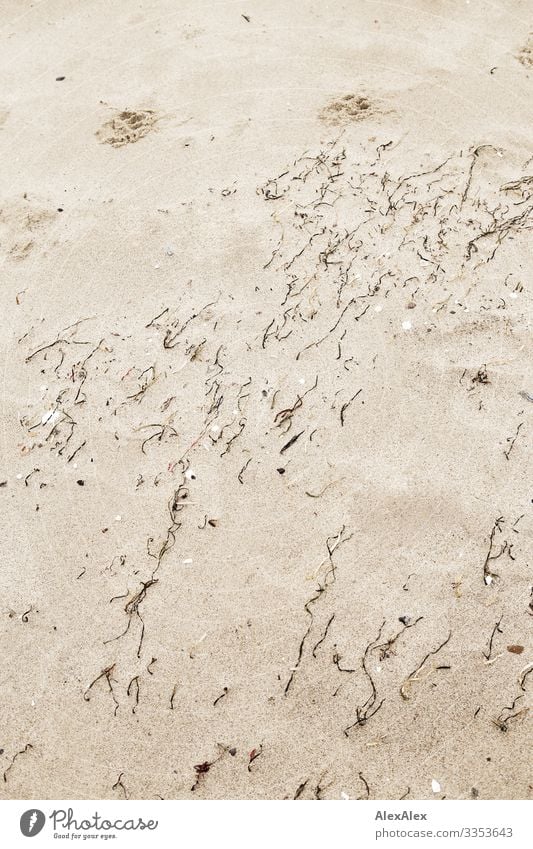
267 397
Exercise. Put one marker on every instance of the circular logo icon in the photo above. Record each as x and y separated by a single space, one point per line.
32 822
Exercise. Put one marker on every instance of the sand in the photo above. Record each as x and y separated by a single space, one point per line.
266 464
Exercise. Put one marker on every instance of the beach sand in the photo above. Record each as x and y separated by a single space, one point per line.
266 478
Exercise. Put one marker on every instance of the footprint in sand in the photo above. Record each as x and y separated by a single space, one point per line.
127 127
346 109
525 55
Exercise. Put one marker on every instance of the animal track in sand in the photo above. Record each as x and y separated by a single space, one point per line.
127 127
21 224
346 109
525 55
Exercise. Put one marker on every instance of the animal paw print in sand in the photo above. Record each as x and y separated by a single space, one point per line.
127 127
344 110
525 56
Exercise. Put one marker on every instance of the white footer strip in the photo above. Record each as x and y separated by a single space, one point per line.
258 824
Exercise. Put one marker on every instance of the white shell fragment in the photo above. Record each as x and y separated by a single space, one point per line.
50 417
435 786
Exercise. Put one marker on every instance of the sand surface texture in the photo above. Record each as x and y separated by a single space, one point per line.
267 397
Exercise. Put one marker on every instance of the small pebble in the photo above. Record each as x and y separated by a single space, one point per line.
435 786
80 482
118 518
406 325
